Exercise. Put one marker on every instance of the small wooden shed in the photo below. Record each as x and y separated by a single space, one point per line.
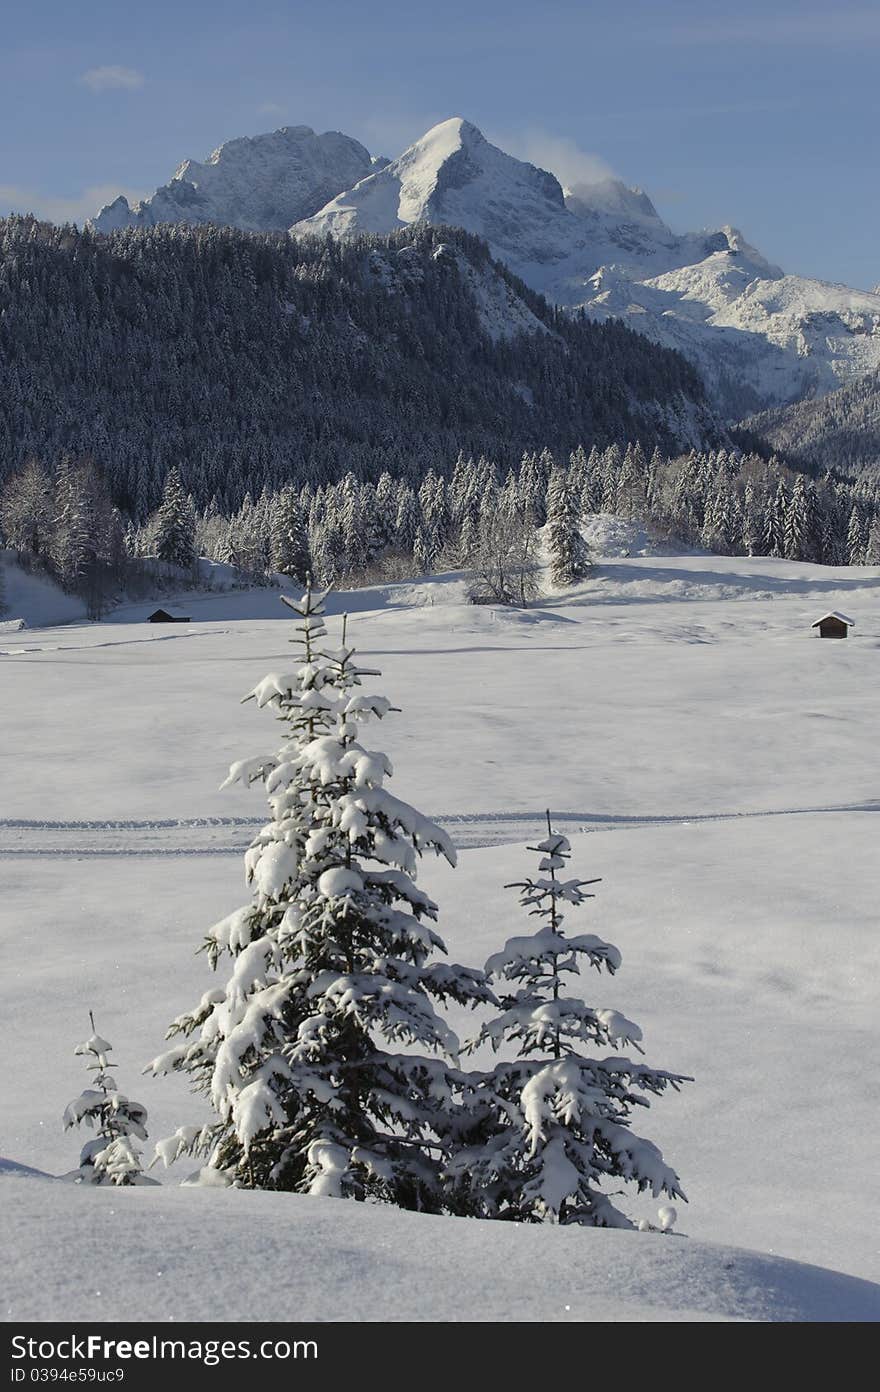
162 616
833 625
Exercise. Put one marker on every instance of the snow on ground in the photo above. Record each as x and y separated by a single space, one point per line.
710 758
141 1253
724 703
34 598
749 962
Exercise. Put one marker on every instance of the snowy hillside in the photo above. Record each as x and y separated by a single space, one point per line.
715 780
758 336
377 1264
33 598
258 184
840 431
761 337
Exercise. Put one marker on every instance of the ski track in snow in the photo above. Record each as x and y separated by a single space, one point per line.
110 643
23 838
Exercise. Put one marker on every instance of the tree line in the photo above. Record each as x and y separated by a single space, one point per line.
475 519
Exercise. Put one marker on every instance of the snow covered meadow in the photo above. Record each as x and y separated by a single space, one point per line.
706 755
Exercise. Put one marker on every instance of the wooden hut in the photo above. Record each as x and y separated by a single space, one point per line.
833 625
162 616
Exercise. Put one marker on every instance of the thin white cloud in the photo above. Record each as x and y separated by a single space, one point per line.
112 78
271 109
57 209
559 154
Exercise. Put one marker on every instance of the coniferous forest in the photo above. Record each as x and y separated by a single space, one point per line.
250 361
476 518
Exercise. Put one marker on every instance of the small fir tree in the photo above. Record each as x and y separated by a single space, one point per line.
797 539
751 528
70 547
533 489
331 968
408 520
26 511
113 1156
549 1129
422 557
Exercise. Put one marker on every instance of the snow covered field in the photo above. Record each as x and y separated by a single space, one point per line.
708 757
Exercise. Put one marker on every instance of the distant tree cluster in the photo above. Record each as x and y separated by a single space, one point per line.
67 525
742 505
253 361
488 525
352 533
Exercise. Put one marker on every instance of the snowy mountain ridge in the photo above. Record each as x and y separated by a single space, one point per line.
762 338
257 184
551 237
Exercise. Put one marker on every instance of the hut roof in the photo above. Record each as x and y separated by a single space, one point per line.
834 614
164 614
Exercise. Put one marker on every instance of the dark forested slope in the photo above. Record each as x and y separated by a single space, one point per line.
252 359
840 431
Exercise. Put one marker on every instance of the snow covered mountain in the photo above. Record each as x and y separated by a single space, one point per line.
257 184
553 239
760 337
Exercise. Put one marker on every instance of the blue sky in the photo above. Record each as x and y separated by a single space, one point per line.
760 114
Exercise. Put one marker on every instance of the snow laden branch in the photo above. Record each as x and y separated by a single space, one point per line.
547 1131
331 963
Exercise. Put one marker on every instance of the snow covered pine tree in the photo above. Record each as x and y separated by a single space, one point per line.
550 1127
113 1157
569 557
175 524
330 960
